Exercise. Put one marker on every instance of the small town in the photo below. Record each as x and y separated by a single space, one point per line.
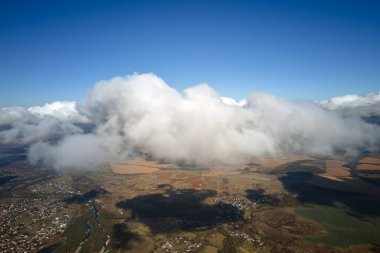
237 201
27 224
178 244
63 186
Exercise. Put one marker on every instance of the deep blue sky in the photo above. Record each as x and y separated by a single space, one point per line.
302 49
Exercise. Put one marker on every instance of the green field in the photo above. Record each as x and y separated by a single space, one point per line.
297 166
343 227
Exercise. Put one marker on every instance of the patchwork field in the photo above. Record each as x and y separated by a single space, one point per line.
370 160
287 204
336 169
342 228
369 164
138 166
268 163
364 166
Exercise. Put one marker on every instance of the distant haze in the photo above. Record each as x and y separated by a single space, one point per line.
141 114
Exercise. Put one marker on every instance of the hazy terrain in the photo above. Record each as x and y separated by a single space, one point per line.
272 204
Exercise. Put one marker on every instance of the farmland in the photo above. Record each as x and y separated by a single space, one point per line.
293 203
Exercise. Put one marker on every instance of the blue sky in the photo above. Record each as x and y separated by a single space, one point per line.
299 50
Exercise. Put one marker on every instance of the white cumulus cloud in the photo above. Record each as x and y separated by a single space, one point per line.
141 114
62 110
353 104
40 123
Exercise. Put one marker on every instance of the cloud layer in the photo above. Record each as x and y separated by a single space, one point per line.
141 114
41 123
350 105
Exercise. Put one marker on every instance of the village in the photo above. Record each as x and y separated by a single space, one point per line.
61 185
27 224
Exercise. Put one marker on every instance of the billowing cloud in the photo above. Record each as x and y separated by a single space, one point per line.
41 123
364 106
141 114
231 101
62 110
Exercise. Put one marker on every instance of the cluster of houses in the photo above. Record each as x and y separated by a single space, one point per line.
236 200
178 244
243 236
27 224
54 187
